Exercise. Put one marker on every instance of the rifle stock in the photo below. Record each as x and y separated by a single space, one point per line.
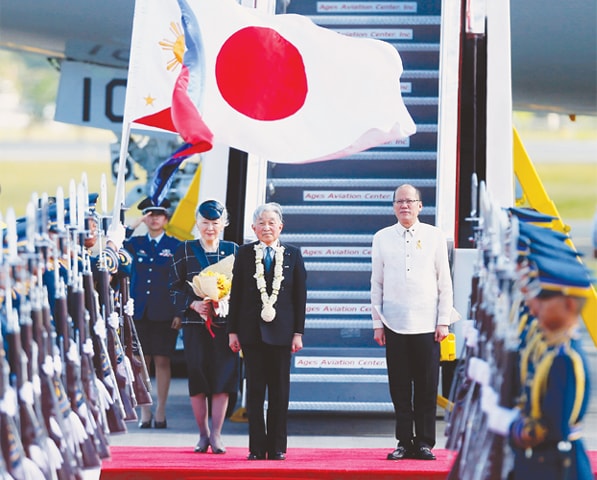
12 448
53 418
32 434
87 373
79 404
134 350
115 413
115 351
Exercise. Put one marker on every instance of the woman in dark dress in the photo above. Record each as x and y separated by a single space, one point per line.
213 369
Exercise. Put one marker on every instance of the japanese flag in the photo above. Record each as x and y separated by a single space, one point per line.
280 87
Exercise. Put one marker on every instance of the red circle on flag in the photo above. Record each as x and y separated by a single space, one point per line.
261 74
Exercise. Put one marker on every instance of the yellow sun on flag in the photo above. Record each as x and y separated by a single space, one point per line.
177 46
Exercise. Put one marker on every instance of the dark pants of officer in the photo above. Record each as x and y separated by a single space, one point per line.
267 368
413 374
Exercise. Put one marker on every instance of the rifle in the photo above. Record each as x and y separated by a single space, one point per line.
115 411
5 452
18 465
72 379
484 453
54 420
124 377
133 348
26 272
33 436
13 452
87 374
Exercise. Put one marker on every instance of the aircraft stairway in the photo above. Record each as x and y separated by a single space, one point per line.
332 209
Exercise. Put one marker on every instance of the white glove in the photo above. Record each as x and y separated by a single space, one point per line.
499 420
129 307
116 234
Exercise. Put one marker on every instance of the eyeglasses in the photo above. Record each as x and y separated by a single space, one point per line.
408 201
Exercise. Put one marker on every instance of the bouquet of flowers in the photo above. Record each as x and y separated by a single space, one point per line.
213 284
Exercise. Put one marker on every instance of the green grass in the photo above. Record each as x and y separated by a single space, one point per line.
19 180
572 187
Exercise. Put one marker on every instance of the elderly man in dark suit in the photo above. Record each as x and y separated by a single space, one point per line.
267 320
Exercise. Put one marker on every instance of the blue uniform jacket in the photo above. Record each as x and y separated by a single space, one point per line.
556 396
149 279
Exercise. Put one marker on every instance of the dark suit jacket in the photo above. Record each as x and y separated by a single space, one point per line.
244 317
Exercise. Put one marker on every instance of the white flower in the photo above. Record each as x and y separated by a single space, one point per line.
268 312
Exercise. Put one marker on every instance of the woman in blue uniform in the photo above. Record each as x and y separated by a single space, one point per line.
154 313
213 369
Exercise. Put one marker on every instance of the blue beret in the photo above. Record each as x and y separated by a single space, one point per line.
211 209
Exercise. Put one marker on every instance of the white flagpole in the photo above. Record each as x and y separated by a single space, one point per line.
120 179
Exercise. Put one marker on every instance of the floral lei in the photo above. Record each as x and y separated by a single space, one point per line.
268 312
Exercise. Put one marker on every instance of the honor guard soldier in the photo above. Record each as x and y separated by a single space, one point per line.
546 435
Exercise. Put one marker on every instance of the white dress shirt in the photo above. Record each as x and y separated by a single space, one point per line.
411 284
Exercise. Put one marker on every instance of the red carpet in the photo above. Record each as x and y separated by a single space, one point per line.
164 463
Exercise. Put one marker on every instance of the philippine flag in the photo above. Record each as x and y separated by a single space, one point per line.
281 87
156 56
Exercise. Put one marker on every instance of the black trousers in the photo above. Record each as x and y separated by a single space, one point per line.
413 375
267 368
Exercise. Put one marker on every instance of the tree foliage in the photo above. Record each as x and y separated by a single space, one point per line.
32 78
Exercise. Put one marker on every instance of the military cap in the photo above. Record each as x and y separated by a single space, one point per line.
536 232
211 209
562 251
558 276
531 215
147 206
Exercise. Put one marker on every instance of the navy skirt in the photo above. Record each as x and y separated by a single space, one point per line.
211 366
156 338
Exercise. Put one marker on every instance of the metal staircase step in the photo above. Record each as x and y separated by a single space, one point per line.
342 190
311 8
379 164
327 378
362 295
325 239
345 210
328 323
357 183
353 406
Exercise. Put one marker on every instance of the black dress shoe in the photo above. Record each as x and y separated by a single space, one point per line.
146 424
202 445
163 424
256 456
276 456
218 450
217 446
400 453
424 453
